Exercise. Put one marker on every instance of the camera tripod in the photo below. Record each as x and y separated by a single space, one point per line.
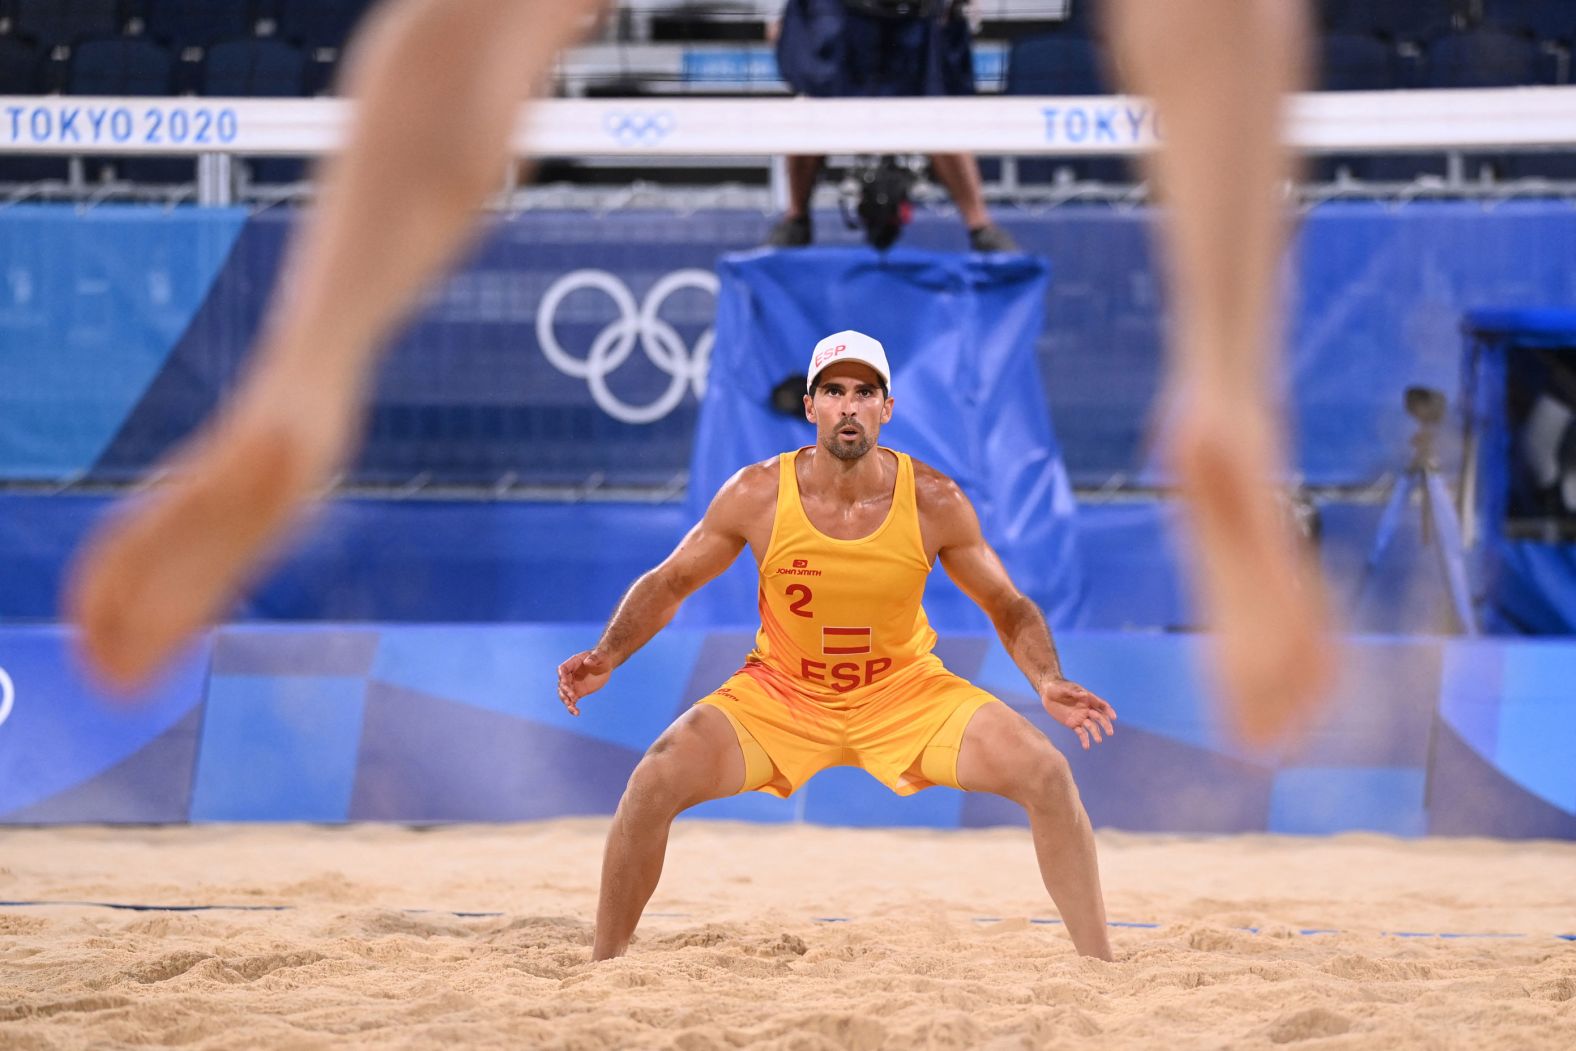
1440 526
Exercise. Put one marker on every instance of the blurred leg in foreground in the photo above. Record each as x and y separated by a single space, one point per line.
1218 72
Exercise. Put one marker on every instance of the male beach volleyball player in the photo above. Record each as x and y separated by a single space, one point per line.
844 534
439 84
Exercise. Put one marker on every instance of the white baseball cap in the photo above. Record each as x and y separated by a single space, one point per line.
849 345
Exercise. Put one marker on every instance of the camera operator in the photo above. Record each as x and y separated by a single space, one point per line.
841 48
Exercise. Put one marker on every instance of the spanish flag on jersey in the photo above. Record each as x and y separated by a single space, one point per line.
841 620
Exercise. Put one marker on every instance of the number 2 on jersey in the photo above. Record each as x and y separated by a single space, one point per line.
798 607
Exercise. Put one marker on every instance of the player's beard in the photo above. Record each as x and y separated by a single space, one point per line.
844 451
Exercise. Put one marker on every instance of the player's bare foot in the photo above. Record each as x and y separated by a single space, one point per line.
173 560
1260 593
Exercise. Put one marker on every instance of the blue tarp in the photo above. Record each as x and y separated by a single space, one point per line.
1525 585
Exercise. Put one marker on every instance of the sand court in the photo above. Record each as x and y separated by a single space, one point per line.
776 936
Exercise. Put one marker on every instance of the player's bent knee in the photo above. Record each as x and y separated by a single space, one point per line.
1049 781
661 784
688 764
1038 776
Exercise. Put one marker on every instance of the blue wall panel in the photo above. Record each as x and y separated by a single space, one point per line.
91 306
70 752
1318 801
451 723
279 748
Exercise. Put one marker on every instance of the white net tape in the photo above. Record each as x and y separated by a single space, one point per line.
1493 118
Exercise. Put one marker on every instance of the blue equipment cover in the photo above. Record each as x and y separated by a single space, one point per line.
1527 585
959 331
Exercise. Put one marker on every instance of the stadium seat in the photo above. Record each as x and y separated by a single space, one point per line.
320 23
195 23
119 66
1351 62
1484 58
56 22
254 67
1412 20
1055 64
1545 19
21 67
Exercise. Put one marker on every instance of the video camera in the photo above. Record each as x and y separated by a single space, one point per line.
877 197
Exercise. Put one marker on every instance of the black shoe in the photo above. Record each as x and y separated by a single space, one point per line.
790 233
991 238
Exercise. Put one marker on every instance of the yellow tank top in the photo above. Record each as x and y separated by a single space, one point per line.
842 618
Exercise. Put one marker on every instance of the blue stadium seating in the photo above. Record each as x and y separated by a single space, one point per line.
1484 58
21 67
119 66
56 22
1353 62
320 23
254 67
1544 19
1397 19
196 23
1055 64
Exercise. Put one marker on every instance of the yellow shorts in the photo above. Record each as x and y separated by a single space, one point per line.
906 737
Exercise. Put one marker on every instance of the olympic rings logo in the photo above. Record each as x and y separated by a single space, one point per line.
658 340
7 696
635 128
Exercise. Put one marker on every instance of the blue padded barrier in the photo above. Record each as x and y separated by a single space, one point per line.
424 723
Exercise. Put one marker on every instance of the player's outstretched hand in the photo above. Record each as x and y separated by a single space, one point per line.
584 673
1079 710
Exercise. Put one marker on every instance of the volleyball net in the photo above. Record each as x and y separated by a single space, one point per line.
1532 118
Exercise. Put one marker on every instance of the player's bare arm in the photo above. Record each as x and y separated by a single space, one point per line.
739 514
952 533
